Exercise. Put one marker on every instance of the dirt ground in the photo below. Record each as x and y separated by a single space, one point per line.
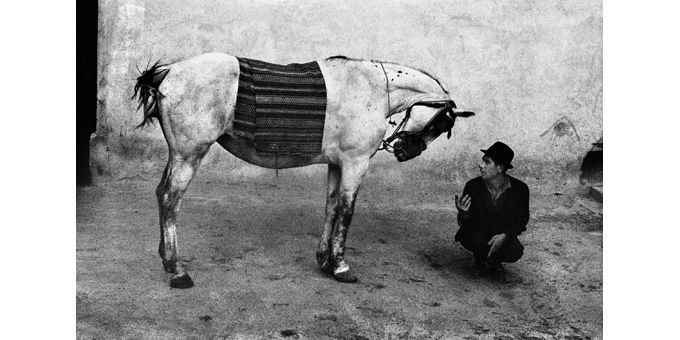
250 246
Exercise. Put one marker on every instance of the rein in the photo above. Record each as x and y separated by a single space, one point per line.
386 142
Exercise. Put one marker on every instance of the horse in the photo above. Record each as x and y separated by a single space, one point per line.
194 102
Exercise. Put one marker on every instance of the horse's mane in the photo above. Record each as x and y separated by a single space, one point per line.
342 57
431 76
419 70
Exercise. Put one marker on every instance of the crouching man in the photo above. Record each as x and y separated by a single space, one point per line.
492 211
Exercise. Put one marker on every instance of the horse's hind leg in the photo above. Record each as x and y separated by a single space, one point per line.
176 178
350 180
323 252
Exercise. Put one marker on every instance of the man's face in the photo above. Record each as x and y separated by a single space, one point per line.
488 168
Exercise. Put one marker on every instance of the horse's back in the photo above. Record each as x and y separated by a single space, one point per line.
205 71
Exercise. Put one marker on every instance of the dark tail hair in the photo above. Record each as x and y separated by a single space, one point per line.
146 91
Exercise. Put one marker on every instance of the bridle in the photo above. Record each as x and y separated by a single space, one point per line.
411 143
446 109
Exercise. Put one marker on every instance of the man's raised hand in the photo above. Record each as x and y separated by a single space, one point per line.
463 203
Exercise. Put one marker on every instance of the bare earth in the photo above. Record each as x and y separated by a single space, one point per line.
250 247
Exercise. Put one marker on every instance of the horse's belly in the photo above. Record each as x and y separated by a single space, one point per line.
245 150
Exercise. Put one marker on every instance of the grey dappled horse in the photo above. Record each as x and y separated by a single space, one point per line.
194 101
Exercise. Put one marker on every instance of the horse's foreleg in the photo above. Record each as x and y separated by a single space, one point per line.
176 178
350 181
323 252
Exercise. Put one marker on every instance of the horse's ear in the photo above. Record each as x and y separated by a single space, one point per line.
463 114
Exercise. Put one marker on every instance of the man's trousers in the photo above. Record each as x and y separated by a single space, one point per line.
476 241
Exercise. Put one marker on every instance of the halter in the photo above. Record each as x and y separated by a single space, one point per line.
447 106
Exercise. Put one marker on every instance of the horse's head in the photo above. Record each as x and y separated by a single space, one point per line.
424 123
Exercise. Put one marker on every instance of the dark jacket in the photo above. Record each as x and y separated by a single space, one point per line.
509 215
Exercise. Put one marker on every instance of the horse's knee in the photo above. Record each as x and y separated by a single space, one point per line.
347 206
163 195
346 209
168 198
346 213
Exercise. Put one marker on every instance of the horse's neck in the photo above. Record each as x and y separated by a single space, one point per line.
407 86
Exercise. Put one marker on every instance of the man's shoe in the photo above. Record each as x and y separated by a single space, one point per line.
479 268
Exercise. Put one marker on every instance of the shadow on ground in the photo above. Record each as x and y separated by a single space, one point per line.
250 247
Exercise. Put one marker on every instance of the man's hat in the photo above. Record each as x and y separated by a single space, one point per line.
501 154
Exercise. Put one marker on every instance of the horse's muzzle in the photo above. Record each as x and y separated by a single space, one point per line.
409 147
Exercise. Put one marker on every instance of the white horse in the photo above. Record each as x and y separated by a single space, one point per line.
194 101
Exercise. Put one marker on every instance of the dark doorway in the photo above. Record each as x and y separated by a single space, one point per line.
86 85
592 173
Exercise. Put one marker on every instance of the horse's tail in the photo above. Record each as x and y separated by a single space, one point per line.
147 92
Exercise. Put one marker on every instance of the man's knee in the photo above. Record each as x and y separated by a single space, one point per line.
472 240
511 251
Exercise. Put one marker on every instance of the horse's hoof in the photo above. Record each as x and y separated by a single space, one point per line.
181 282
346 277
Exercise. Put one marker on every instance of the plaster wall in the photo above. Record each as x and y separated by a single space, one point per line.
531 70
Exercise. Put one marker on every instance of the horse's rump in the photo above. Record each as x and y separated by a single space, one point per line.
282 108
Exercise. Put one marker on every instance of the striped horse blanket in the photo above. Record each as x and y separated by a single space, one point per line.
282 108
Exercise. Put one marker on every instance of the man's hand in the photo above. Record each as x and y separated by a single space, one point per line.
496 242
463 203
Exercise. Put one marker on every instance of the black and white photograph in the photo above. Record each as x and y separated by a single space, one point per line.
347 170
383 169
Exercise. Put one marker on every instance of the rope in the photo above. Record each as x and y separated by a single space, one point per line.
387 86
386 144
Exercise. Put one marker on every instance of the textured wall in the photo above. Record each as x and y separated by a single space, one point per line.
531 70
